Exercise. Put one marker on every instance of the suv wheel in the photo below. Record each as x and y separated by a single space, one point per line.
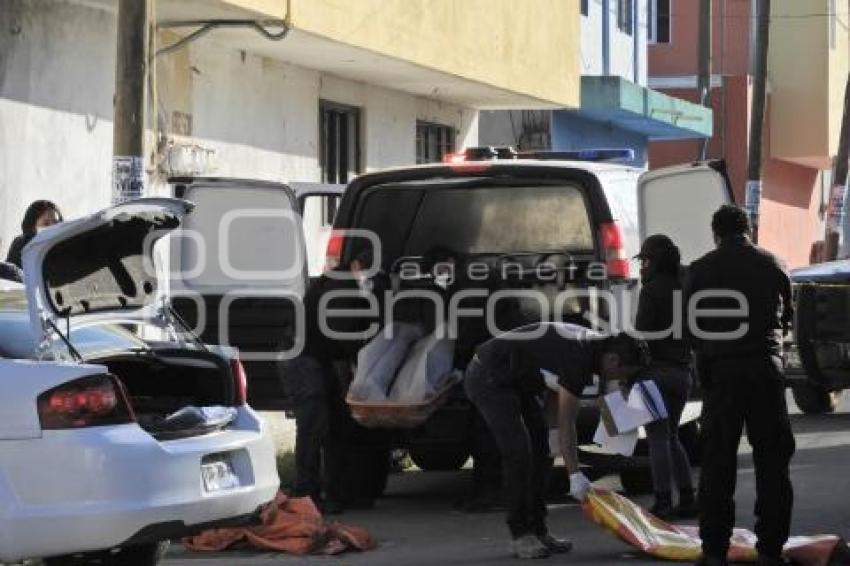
137 555
813 399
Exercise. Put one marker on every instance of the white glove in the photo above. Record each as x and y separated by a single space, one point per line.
579 486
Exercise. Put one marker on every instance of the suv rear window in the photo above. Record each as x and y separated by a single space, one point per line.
479 220
503 220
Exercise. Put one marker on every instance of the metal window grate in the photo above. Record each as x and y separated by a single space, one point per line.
433 141
339 142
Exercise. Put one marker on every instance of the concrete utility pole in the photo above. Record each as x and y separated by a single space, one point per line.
753 194
704 81
837 195
131 68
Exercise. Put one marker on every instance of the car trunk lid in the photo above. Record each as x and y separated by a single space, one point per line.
99 268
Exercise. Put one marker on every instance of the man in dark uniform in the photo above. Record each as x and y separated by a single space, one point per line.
507 379
322 420
743 384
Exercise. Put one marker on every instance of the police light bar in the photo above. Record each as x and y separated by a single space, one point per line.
482 153
619 154
489 153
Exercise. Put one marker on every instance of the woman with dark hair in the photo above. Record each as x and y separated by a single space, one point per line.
661 276
40 214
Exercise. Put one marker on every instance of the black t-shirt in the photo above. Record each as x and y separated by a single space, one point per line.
737 265
655 314
316 343
568 351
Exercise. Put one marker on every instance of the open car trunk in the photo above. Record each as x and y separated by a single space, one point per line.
166 387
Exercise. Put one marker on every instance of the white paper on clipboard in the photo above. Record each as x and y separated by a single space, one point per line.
623 444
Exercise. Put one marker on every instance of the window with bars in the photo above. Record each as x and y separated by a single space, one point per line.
659 21
339 142
433 141
625 16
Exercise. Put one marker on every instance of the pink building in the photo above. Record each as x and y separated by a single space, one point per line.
807 70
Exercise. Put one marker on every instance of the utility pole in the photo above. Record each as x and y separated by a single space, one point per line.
130 86
837 195
753 194
704 80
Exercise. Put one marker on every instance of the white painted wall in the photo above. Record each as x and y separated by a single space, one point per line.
260 116
621 45
591 39
57 64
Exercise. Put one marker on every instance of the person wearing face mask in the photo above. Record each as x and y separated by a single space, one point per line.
660 296
40 214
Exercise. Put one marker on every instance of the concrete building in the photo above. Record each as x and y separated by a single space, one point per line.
617 110
352 87
808 68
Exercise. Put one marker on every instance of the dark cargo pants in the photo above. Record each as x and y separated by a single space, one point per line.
518 424
745 391
320 422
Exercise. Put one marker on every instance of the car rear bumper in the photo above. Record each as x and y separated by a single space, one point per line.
90 489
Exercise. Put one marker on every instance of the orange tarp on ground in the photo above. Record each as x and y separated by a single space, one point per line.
635 526
289 524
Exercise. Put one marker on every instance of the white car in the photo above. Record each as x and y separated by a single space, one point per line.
91 468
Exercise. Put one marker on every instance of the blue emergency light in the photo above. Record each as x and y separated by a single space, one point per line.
598 155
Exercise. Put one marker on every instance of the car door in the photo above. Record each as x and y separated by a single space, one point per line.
679 201
318 204
239 272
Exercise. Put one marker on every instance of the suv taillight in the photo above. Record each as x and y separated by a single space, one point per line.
90 401
616 262
334 250
240 381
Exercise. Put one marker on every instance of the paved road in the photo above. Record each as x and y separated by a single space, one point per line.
415 523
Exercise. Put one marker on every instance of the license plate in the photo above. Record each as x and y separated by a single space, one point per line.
218 475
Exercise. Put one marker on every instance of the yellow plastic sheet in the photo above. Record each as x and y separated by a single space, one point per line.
650 535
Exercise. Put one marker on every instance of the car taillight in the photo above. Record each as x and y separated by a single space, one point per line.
334 250
240 381
91 401
616 262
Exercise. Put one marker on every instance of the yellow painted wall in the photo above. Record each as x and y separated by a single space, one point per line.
839 66
806 79
273 9
526 46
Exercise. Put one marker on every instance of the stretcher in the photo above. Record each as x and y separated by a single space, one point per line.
650 535
397 414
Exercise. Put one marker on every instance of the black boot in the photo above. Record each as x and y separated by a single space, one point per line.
687 508
663 506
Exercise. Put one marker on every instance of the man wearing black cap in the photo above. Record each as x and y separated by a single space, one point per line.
660 296
741 375
507 380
